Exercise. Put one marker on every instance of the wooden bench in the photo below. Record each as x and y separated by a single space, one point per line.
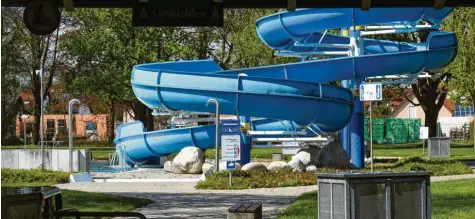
247 210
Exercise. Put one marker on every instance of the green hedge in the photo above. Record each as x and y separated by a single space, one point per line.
34 176
257 179
285 178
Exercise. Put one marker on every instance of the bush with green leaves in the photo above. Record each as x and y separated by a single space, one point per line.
34 176
257 179
286 178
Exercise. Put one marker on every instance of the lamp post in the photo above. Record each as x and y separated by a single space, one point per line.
216 154
70 137
24 117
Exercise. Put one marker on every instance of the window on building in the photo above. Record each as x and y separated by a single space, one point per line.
461 111
61 126
50 129
91 128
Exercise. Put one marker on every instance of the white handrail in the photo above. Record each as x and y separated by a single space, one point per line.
277 132
316 139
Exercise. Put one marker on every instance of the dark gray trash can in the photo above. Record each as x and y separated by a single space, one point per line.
439 147
374 195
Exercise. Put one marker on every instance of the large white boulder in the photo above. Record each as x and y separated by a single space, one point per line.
296 164
206 167
277 166
333 156
169 167
302 156
253 166
189 160
308 156
311 168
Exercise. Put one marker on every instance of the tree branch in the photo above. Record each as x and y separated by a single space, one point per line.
53 65
410 101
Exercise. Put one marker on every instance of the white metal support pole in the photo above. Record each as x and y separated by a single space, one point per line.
371 132
70 132
24 132
216 153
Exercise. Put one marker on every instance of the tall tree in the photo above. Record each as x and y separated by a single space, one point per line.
431 94
105 46
462 22
33 53
10 79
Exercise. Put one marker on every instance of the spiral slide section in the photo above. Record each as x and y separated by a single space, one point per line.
291 92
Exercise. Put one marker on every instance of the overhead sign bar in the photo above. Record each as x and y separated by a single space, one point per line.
165 13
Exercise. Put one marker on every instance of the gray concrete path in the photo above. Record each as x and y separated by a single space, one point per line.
182 200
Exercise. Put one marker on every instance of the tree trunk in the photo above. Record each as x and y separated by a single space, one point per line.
431 122
37 114
473 121
144 114
110 126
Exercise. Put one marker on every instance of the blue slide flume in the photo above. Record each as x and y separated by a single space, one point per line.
293 92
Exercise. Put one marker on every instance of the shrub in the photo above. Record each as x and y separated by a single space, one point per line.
257 179
34 176
264 179
437 166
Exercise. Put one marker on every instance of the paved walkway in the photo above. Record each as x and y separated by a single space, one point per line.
182 200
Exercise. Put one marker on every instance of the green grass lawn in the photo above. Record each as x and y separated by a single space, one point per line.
449 199
458 150
84 201
455 152
91 201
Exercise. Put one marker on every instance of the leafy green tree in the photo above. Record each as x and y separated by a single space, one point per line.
104 46
26 53
462 23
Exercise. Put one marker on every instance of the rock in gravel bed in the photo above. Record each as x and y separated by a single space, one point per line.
254 166
278 165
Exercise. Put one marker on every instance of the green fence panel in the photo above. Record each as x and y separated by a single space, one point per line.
396 131
378 130
412 126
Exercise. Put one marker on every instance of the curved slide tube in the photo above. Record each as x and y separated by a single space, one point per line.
132 138
290 92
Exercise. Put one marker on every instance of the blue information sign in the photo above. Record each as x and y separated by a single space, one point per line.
231 165
230 140
230 127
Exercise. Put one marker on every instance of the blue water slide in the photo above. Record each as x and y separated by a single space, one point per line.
281 30
291 96
139 145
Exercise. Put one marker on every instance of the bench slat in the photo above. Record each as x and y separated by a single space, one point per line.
254 207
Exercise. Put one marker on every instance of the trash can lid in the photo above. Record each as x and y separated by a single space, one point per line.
341 175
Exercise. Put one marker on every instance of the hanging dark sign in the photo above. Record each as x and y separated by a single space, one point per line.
41 17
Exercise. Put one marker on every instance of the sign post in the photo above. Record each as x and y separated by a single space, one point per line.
170 13
371 92
423 134
230 144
